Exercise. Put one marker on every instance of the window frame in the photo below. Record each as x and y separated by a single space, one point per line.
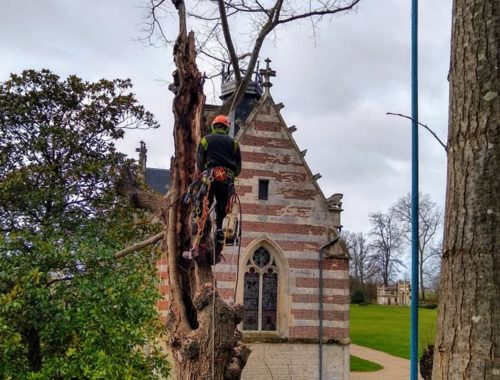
263 186
270 268
284 288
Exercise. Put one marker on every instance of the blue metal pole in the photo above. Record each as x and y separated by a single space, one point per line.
414 193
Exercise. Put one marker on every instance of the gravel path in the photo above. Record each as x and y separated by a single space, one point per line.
394 368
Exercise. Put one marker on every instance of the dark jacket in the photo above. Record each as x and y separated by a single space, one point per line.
218 149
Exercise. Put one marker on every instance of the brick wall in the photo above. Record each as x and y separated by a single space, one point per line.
294 222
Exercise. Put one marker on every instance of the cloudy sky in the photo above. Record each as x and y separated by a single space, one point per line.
336 84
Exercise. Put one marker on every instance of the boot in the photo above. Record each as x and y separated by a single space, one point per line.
219 241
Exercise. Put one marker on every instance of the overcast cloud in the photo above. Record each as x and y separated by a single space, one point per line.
336 86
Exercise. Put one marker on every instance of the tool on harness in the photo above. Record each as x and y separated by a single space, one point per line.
198 193
231 223
230 227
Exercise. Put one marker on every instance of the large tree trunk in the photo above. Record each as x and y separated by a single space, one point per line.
204 339
468 335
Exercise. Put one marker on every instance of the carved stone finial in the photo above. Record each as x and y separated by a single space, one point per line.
267 73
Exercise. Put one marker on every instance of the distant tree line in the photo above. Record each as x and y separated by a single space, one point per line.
379 256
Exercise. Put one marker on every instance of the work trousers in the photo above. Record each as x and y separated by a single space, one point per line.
221 191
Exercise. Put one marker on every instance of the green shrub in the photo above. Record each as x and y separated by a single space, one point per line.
358 296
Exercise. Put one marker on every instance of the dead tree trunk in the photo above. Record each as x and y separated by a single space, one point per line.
468 332
204 339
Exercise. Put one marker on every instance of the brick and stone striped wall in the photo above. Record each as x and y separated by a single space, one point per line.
293 223
296 220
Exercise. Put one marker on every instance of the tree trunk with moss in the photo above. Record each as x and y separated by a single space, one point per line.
468 335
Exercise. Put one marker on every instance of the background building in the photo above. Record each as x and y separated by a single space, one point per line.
397 294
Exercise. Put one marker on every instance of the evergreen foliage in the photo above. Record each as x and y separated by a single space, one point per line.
358 296
68 309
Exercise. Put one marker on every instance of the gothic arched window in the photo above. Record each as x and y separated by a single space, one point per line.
260 292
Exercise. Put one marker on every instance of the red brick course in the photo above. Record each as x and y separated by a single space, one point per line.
162 305
286 177
314 298
162 261
242 190
259 157
267 126
307 247
313 264
275 210
266 141
328 315
269 227
299 194
333 283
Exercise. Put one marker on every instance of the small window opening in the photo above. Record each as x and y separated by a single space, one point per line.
263 189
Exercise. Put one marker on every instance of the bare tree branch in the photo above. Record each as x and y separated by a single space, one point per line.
137 246
229 41
153 23
319 12
422 125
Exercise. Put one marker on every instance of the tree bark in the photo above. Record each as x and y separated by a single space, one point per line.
34 354
468 335
205 341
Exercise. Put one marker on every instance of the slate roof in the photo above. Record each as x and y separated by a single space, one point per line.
158 179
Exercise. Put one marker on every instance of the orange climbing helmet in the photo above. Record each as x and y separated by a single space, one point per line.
221 119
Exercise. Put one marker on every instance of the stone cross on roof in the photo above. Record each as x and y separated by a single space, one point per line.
267 73
142 158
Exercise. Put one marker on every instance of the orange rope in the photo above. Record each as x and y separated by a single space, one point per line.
201 221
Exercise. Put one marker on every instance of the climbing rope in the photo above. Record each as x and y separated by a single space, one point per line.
237 198
201 221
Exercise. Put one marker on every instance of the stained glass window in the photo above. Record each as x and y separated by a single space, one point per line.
260 292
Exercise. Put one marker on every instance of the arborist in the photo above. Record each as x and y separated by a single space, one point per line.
219 158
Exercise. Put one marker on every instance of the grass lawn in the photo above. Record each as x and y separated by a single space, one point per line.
362 365
387 328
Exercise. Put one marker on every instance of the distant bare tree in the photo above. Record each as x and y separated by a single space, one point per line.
360 267
387 242
432 272
430 220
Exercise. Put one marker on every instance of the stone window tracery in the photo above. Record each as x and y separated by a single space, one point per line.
260 292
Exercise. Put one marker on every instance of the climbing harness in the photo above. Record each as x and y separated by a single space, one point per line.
198 194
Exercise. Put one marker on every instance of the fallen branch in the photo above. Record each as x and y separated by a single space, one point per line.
135 247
